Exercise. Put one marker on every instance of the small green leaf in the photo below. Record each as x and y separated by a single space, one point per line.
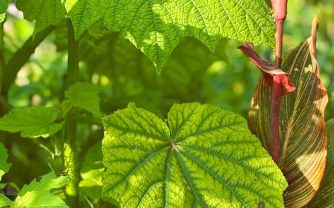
44 12
4 166
37 121
84 95
204 157
324 197
39 193
3 9
4 201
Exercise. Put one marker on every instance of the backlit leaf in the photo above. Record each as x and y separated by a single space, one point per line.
156 27
44 12
4 166
37 121
3 9
84 95
302 125
204 157
39 193
325 195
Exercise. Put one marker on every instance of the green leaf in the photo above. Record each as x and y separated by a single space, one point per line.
207 157
91 172
4 201
156 27
302 126
325 195
3 8
37 121
39 193
4 166
84 95
44 12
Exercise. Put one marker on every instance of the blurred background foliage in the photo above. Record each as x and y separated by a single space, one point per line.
224 78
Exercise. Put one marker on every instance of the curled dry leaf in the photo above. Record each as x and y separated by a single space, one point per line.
303 139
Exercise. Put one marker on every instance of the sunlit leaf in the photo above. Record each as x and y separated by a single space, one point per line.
91 172
39 193
4 166
302 126
3 9
4 201
44 12
204 157
157 27
37 121
325 195
84 95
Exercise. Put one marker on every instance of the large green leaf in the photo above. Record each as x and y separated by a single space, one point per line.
204 157
84 95
4 166
302 126
325 195
37 121
156 27
44 12
39 193
3 9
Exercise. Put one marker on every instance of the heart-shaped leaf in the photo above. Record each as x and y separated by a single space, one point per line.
302 127
204 157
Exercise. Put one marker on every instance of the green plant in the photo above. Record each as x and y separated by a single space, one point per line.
201 155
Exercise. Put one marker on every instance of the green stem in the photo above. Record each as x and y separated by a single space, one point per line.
20 57
70 132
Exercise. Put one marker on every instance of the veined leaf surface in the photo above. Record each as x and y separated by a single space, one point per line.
325 195
204 157
157 26
302 126
36 121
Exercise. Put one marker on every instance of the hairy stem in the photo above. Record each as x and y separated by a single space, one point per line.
70 132
20 57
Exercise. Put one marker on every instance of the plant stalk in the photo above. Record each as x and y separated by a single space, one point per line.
280 11
21 57
275 108
70 132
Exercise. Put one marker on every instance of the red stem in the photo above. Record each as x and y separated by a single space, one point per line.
274 134
280 11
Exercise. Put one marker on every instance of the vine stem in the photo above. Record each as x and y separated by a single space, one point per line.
70 131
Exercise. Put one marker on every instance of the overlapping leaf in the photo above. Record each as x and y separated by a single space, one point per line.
37 121
156 27
39 193
84 95
325 195
302 126
3 9
204 157
44 12
4 166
